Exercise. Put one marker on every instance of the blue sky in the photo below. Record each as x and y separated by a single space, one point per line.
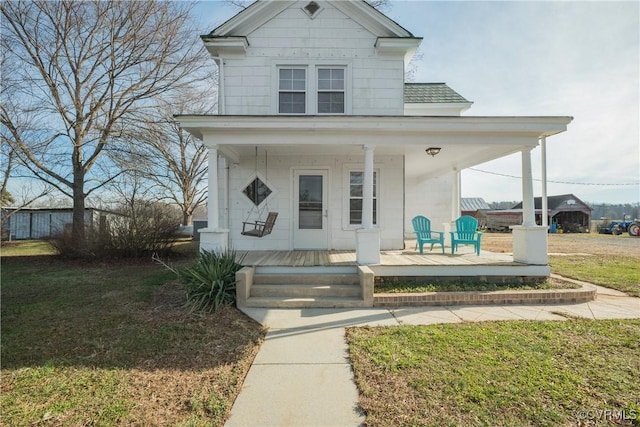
568 58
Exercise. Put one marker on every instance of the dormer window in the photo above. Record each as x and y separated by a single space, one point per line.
311 9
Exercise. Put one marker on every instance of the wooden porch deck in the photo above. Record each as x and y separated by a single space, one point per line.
407 257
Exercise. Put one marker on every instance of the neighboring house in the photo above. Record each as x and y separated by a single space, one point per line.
316 123
475 207
39 223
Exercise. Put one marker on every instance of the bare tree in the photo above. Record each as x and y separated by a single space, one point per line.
174 159
84 74
12 168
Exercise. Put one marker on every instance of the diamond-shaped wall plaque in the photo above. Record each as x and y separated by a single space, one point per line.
257 191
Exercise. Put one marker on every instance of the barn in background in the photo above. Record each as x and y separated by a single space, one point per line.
475 207
566 213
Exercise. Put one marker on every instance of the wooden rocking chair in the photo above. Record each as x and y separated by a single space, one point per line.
260 228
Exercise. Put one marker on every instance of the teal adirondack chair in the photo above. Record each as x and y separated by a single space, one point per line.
422 228
466 233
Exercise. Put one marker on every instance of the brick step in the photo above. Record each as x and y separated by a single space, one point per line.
305 290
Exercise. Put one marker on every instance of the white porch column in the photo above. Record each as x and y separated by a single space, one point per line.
368 237
456 191
213 238
367 188
545 204
213 221
528 207
529 239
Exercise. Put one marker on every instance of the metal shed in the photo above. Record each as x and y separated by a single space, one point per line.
39 223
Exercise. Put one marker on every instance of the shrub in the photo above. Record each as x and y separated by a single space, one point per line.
137 230
211 283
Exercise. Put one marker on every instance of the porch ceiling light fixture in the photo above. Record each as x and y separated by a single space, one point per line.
432 151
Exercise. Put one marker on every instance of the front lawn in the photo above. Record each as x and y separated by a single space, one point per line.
525 373
92 343
616 272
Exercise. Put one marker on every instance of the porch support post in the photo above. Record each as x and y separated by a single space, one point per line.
213 238
213 221
368 237
529 239
545 205
367 188
456 191
528 208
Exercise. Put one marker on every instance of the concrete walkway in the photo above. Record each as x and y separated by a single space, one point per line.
302 376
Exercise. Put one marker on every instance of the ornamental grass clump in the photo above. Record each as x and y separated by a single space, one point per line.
211 282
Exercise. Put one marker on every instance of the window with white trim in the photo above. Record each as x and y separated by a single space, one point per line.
292 91
356 184
330 85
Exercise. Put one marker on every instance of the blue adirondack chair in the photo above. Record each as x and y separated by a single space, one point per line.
466 233
422 228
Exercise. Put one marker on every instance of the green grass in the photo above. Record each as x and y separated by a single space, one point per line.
93 343
402 287
498 373
616 272
58 394
26 248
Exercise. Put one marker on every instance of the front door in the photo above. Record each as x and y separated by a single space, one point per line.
310 229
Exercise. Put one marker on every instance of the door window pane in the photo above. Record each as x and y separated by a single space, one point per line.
310 202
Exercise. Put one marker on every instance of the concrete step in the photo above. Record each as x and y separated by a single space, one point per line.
306 279
305 290
317 302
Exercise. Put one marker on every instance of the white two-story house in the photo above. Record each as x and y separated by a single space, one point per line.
317 124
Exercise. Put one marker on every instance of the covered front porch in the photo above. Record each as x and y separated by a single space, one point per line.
334 278
401 177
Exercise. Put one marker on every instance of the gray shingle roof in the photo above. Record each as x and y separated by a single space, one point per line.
473 204
554 201
429 93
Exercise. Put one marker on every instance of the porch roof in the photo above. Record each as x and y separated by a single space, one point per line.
465 141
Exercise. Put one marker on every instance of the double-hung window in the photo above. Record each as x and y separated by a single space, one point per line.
292 91
356 184
331 90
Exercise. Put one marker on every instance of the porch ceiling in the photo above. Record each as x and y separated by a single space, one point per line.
464 141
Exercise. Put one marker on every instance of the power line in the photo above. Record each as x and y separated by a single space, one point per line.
557 182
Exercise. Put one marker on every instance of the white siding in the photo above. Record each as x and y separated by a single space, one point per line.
433 199
331 38
279 177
